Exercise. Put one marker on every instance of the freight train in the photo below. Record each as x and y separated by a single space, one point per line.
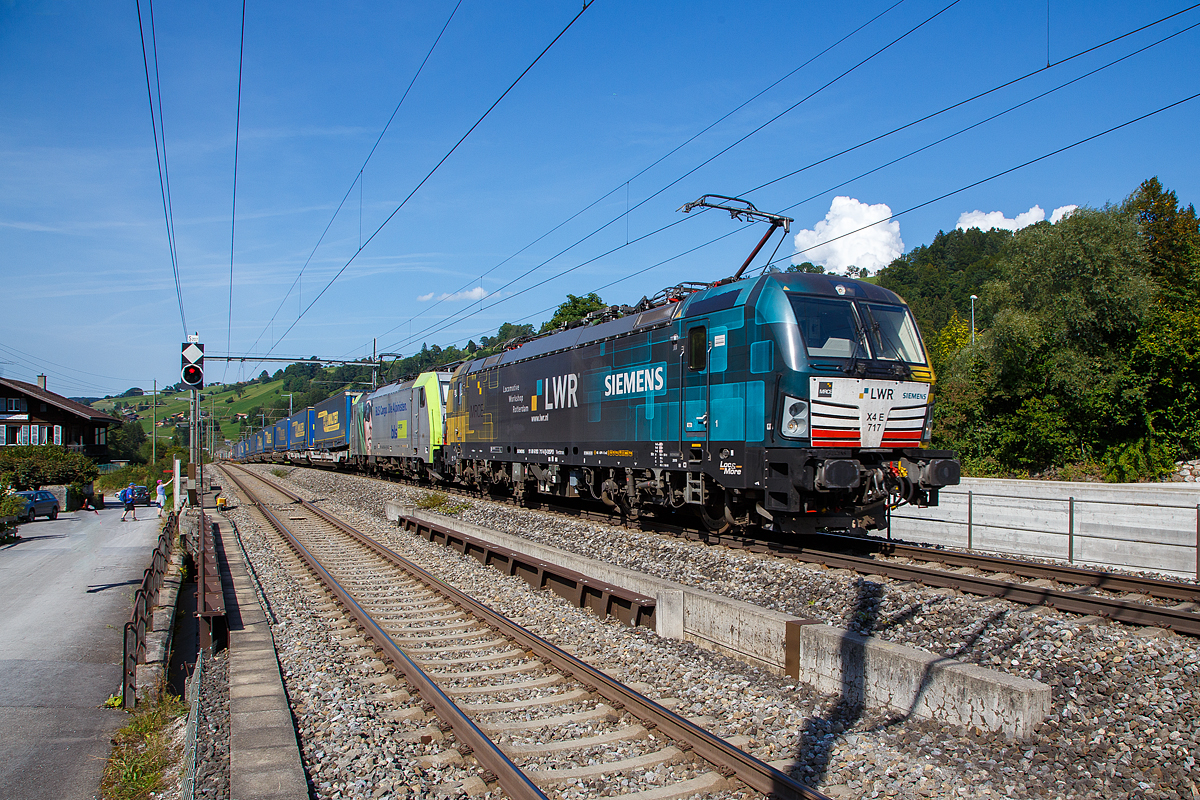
790 401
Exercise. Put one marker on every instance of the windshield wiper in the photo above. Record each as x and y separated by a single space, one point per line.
861 345
886 344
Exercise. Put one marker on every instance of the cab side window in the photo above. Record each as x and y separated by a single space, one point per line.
698 348
421 396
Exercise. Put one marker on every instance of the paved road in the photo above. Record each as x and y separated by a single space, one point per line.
66 592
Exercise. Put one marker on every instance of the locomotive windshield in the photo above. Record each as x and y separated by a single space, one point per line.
893 334
831 328
836 328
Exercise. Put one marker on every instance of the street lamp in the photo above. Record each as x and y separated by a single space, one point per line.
973 299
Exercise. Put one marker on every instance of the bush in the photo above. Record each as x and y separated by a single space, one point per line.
1142 460
35 466
10 506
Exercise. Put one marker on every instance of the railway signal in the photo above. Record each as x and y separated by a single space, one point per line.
192 370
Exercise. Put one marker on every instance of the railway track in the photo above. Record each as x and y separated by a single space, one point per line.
501 688
1002 578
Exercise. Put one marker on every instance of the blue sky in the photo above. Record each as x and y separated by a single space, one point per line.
91 298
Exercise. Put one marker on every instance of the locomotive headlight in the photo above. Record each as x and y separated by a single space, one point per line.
795 418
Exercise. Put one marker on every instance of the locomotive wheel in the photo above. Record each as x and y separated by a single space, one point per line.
716 524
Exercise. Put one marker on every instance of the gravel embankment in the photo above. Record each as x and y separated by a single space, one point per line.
212 730
1123 722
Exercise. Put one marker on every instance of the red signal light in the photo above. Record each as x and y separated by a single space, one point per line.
193 376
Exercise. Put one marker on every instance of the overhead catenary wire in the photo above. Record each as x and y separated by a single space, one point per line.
237 130
357 178
625 184
431 172
924 204
999 174
442 325
893 42
160 154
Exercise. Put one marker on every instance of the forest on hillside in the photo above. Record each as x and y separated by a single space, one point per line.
1086 354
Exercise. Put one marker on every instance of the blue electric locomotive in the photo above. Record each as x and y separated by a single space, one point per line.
796 401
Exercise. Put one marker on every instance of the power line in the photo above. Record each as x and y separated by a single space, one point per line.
898 214
625 184
160 157
715 156
237 131
995 89
450 152
358 176
436 327
997 175
729 147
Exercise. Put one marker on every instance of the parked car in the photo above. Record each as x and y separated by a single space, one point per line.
38 503
141 496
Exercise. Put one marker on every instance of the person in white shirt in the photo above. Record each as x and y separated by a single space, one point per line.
162 494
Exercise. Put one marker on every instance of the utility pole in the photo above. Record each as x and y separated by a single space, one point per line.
154 423
289 397
374 365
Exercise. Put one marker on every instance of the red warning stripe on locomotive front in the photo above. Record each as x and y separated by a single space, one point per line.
836 438
902 437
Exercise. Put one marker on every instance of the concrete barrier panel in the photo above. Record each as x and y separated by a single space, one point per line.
862 669
1136 526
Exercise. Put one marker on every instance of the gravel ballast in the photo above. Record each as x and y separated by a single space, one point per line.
1123 720
212 729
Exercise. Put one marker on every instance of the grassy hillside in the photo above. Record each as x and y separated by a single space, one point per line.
222 401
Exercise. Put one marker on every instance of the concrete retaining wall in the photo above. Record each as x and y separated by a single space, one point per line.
1135 526
862 669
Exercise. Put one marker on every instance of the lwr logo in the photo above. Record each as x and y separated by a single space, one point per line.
558 392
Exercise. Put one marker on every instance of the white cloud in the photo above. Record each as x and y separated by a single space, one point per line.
987 220
478 293
1061 212
871 249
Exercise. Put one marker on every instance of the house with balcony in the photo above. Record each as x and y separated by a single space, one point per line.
31 414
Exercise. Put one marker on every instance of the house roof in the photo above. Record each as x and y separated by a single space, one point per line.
50 398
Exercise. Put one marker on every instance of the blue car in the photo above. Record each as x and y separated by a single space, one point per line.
38 504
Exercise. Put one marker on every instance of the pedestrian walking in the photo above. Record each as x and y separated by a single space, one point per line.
162 494
129 497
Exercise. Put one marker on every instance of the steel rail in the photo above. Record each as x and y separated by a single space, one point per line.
1125 611
1076 576
732 761
1108 581
512 780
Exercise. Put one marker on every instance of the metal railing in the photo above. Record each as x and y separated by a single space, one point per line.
210 594
1070 533
144 601
187 789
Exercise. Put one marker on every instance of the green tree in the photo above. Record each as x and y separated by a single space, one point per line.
944 345
807 266
938 279
1172 237
1049 382
125 441
571 310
